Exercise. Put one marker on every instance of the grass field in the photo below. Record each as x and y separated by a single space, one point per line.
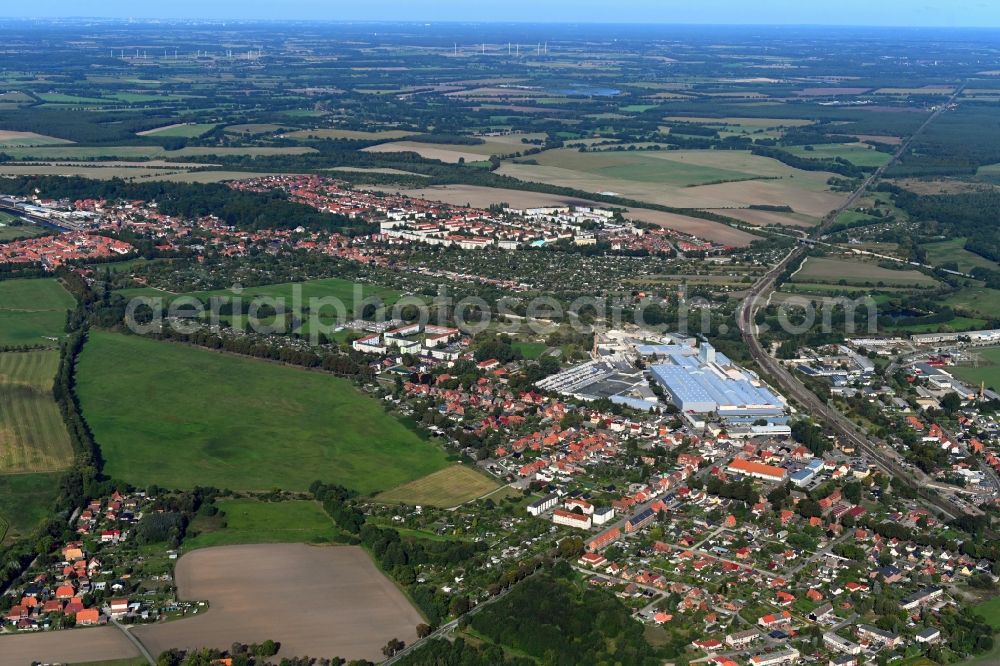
447 487
32 311
326 288
980 300
988 372
185 130
954 324
858 154
180 416
33 437
530 350
954 250
835 270
26 501
21 230
990 610
254 521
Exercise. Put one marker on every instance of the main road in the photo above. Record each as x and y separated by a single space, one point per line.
883 456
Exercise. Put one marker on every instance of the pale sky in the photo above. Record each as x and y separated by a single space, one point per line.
933 13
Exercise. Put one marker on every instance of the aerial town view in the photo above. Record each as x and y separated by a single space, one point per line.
500 334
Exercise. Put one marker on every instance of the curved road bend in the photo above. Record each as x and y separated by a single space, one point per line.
884 457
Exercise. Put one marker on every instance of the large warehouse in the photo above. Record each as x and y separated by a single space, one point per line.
702 381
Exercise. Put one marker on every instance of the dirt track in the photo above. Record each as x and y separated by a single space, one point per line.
317 601
97 644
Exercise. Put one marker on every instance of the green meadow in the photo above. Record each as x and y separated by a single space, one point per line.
181 416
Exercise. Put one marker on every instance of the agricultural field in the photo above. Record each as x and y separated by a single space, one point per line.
97 644
767 217
254 521
837 271
361 609
858 154
265 426
684 178
954 251
446 488
33 437
988 371
25 502
184 130
32 312
10 139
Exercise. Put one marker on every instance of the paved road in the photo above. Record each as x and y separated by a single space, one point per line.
882 456
135 641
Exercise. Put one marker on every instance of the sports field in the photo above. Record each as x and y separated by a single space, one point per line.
988 372
836 271
447 487
245 520
26 502
33 437
181 416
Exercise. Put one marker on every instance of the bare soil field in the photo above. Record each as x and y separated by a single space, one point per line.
482 197
317 601
429 151
73 645
767 217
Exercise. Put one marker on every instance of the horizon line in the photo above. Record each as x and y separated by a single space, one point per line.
420 22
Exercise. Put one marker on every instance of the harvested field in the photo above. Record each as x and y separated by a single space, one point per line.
259 590
483 197
686 179
11 139
832 271
93 644
452 154
33 437
767 217
446 488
